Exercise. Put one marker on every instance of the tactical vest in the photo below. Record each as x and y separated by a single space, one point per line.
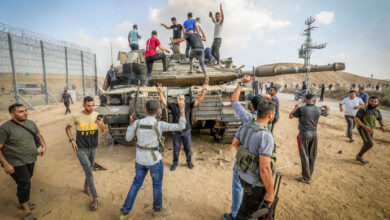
245 159
160 138
273 157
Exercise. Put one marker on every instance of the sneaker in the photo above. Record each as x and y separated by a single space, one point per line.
165 72
173 167
227 216
161 213
301 180
190 165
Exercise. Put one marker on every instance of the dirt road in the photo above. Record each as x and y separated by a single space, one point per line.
341 187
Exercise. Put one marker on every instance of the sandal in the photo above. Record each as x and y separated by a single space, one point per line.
301 180
31 206
362 160
94 205
29 216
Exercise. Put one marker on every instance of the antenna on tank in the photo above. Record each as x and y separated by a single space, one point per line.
112 58
307 47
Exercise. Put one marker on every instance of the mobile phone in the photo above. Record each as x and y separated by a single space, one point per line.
99 117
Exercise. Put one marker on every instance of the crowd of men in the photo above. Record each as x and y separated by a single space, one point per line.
21 142
193 33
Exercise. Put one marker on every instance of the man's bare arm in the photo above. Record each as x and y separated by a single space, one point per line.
290 116
8 168
163 49
177 41
212 17
164 25
269 98
360 123
161 94
196 28
69 134
222 15
236 143
200 99
43 143
266 177
128 39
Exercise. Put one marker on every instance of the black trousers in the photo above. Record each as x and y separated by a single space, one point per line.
273 125
67 107
368 143
22 177
178 138
150 60
251 200
308 152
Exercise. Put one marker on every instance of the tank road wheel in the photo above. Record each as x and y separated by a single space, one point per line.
226 134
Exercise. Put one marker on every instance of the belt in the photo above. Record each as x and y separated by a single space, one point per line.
151 149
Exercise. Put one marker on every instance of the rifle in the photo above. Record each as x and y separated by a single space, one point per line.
263 210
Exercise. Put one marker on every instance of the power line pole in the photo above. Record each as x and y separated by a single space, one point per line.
307 47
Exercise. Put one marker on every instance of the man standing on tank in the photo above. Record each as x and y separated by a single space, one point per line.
133 38
190 23
177 30
218 21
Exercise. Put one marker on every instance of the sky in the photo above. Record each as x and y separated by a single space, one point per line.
255 32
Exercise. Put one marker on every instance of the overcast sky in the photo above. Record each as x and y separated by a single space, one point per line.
256 32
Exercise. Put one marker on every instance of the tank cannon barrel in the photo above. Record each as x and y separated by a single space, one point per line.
264 71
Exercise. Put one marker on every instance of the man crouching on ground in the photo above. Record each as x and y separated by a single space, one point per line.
148 133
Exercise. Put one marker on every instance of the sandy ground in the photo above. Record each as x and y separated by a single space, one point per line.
341 188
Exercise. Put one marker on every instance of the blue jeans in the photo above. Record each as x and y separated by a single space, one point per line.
156 172
236 191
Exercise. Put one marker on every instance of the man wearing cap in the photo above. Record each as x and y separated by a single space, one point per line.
246 117
308 116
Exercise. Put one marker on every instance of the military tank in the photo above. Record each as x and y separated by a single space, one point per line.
125 93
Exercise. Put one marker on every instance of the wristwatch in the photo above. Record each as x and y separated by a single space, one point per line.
182 111
241 84
70 140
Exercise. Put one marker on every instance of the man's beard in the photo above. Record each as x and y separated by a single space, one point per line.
372 107
21 119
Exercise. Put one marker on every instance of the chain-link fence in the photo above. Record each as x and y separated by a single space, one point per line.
35 69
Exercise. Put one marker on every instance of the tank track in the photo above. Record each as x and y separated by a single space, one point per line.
226 135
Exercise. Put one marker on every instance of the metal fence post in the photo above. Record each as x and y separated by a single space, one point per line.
96 75
44 74
66 68
14 78
82 73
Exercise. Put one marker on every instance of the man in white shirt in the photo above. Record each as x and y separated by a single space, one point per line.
352 105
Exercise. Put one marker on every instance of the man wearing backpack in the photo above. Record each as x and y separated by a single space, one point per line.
246 116
255 145
18 153
148 133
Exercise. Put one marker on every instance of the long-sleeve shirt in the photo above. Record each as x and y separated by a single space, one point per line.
245 115
148 138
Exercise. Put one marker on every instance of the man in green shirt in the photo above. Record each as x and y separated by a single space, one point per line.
366 118
18 153
133 38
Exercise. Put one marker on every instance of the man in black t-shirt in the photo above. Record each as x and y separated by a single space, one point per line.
197 48
185 135
177 31
67 99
